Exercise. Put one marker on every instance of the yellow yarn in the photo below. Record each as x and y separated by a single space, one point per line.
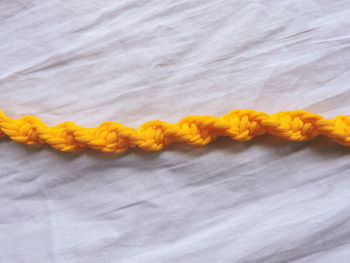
240 125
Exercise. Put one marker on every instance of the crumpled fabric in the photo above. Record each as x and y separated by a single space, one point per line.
267 200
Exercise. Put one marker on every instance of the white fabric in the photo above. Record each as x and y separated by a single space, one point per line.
267 200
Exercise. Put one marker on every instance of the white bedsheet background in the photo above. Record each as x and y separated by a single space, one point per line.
267 200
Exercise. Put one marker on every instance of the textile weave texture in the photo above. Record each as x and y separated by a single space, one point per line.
265 200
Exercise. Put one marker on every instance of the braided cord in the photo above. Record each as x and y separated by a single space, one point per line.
240 125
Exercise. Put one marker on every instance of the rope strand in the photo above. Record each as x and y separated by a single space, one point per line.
240 125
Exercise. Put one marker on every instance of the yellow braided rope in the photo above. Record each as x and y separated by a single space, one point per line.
240 125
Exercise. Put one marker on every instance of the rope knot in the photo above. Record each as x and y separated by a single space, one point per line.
197 130
293 125
341 130
154 135
108 137
24 130
243 125
61 137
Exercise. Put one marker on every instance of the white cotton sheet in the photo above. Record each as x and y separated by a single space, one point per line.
267 200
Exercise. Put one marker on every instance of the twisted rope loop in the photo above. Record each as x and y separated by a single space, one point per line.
240 125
